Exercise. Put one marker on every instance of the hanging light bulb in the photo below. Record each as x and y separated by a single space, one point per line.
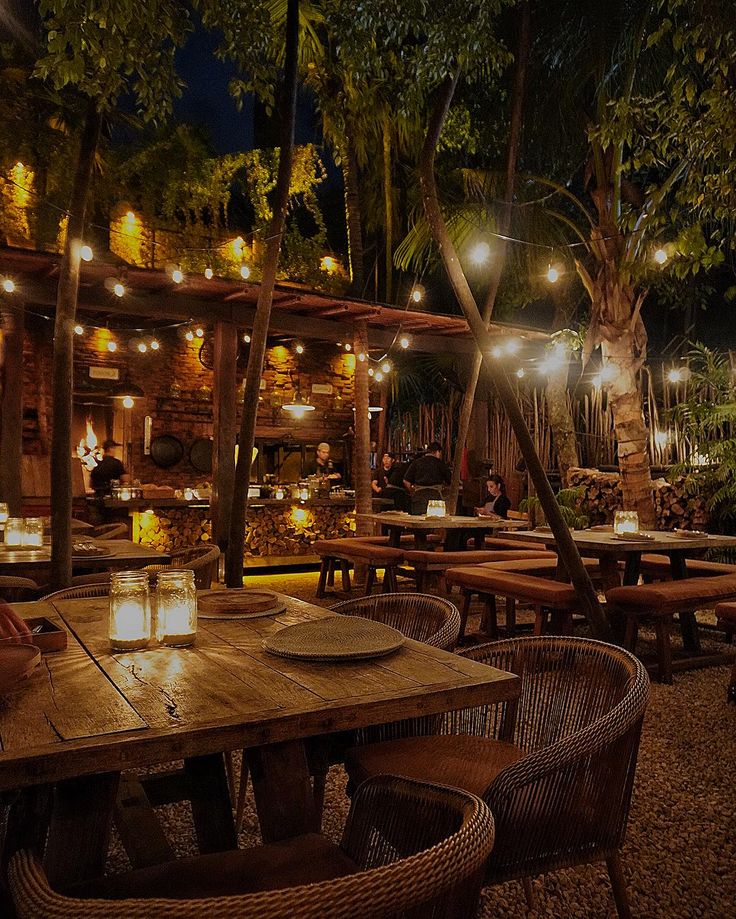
348 347
404 342
78 329
177 275
386 366
678 375
199 332
112 345
480 253
379 376
521 373
244 272
512 346
118 289
8 285
371 372
553 274
362 357
142 347
189 335
128 402
416 295
209 273
154 344
86 254
299 349
660 256
246 338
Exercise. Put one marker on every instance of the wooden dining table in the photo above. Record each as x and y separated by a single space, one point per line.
121 553
456 528
88 713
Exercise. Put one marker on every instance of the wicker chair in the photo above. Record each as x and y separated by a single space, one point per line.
419 616
82 592
108 531
407 850
18 590
202 560
556 768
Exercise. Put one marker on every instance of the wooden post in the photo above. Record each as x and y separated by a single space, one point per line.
224 397
11 406
381 436
361 456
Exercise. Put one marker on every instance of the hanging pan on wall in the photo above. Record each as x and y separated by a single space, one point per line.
166 450
200 455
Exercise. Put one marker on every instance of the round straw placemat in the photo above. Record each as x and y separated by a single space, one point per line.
335 638
237 604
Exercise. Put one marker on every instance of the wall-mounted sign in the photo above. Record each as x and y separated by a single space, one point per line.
104 373
323 389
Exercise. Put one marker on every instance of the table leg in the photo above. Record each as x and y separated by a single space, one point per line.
79 832
688 622
283 792
420 540
455 540
394 536
632 569
212 809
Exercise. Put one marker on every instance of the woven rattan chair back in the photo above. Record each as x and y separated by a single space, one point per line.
82 592
202 560
420 849
579 720
17 590
433 620
109 531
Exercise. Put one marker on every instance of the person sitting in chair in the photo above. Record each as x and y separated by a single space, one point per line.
497 503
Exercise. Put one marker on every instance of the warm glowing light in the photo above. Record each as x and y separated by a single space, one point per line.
130 217
521 373
199 332
118 289
86 254
362 356
299 349
404 342
661 438
209 273
660 256
379 376
78 329
88 450
112 345
626 523
553 275
142 347
480 253
348 347
246 338
386 366
678 375
609 373
237 245
244 272
189 335
128 402
328 264
555 359
8 285
154 344
416 295
371 372
177 275
299 514
496 351
512 346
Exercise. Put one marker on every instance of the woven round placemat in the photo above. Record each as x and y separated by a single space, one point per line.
335 638
237 604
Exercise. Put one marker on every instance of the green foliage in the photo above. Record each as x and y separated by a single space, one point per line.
568 499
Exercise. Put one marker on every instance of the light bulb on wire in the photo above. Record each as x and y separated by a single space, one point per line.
128 402
299 349
480 253
361 357
379 376
553 274
246 338
142 347
386 366
416 295
209 273
660 256
177 275
521 373
244 272
78 329
371 372
189 335
348 347
404 342
112 346
154 346
119 289
8 285
86 254
199 332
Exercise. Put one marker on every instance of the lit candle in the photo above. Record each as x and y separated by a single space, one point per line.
626 522
176 607
436 509
188 494
3 512
279 494
14 530
130 610
32 532
125 494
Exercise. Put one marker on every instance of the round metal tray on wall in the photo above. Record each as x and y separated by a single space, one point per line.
200 455
166 450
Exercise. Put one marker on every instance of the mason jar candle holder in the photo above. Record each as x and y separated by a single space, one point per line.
436 509
626 523
125 493
4 513
176 607
279 494
15 528
32 533
130 611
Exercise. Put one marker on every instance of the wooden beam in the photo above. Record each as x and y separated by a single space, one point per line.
11 405
362 444
224 395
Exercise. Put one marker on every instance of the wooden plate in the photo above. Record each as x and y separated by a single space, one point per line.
689 534
237 604
633 537
16 663
99 552
335 638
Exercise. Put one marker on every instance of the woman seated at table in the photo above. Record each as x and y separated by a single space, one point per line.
497 503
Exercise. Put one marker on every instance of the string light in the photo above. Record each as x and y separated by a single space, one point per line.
299 349
199 332
78 329
8 285
496 351
189 335
154 344
246 338
128 402
86 254
362 357
142 347
371 372
480 253
553 274
209 273
404 342
521 373
118 289
177 275
678 375
660 256
112 346
244 272
348 347
609 373
386 366
379 376
512 346
416 295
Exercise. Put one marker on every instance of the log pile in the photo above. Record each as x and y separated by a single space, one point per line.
270 530
675 509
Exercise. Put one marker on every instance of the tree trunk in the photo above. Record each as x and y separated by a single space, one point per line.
11 406
225 421
388 209
352 216
62 371
259 334
361 454
381 436
561 422
566 547
512 155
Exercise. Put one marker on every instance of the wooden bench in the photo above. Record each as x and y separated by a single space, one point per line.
427 563
346 551
659 568
513 581
659 603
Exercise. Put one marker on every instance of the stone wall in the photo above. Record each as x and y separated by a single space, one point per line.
603 496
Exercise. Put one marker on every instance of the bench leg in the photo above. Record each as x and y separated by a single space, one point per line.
419 579
631 633
345 573
331 573
510 617
464 612
324 567
540 620
370 580
390 585
489 620
662 626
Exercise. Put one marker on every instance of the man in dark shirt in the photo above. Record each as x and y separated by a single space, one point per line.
108 468
425 477
387 482
322 465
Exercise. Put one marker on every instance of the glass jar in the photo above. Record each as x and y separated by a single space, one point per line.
436 508
3 513
176 607
130 610
15 528
626 523
33 532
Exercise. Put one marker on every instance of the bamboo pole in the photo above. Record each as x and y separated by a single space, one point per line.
224 396
11 406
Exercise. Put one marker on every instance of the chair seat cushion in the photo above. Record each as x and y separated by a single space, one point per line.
524 587
659 566
302 860
351 548
726 612
672 596
471 557
548 562
459 760
382 540
498 542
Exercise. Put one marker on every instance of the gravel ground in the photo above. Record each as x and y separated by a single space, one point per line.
680 853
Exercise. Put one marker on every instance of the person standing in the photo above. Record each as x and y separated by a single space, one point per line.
497 502
322 466
387 482
108 469
425 478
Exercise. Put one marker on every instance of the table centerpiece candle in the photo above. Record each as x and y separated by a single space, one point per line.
14 529
32 532
130 610
436 509
3 513
176 607
279 494
626 523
